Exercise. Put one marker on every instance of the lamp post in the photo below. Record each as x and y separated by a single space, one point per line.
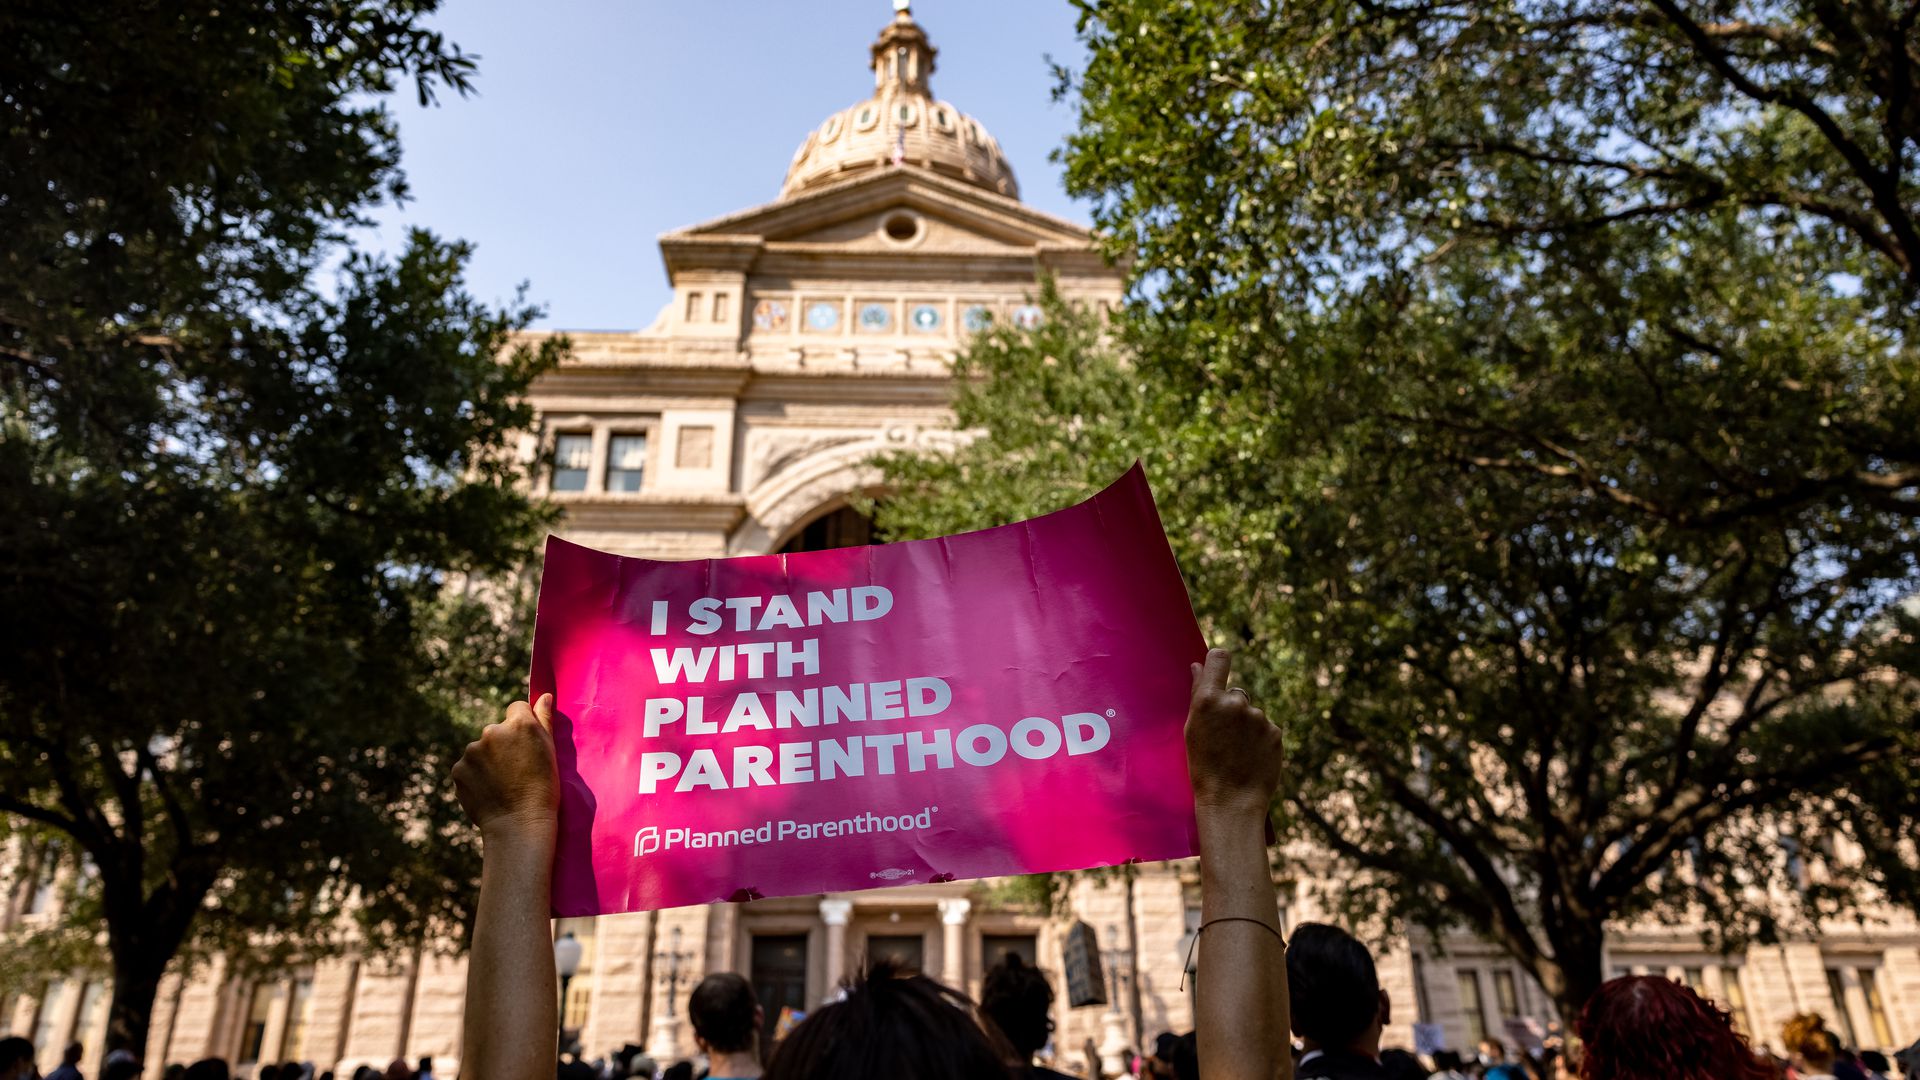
663 1042
1118 963
566 961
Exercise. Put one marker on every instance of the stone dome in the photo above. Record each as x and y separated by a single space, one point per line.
902 123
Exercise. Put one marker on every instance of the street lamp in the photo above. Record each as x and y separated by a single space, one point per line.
566 961
673 957
663 1042
1122 966
1114 1044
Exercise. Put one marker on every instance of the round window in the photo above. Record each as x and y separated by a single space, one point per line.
1027 317
875 317
866 118
926 318
770 315
902 227
823 316
977 318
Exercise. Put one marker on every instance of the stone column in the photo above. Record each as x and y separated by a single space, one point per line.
835 914
953 957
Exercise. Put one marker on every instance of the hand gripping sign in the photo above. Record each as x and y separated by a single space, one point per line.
999 702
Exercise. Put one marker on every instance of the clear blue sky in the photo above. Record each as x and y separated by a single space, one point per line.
599 124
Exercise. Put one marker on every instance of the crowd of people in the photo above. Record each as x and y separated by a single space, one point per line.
1309 1006
1267 1006
19 1061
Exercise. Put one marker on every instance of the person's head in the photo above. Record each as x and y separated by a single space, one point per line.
1334 991
891 1024
16 1058
71 1055
1401 1065
1647 1025
679 1070
1444 1060
426 1064
1186 1057
1875 1061
177 1071
1492 1051
121 1065
269 1072
208 1069
725 1013
397 1070
1810 1043
1017 999
365 1072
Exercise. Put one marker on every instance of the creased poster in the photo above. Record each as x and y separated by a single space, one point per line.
998 702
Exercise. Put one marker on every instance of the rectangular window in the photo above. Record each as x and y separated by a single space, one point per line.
572 455
1876 1009
49 1011
995 947
579 1003
293 1040
1837 986
779 976
88 1026
40 901
1735 999
693 307
626 460
1695 980
720 306
1506 995
1471 1004
906 950
253 1037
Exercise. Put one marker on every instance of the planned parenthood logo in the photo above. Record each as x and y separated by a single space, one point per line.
653 839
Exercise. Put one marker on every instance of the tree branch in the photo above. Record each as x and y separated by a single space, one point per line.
1881 184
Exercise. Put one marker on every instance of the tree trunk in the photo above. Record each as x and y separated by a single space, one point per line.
1574 975
144 932
136 983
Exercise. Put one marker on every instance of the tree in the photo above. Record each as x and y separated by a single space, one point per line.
247 502
1531 390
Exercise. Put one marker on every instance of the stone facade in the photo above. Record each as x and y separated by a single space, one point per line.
803 337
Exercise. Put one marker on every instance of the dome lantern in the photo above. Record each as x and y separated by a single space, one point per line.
902 57
902 124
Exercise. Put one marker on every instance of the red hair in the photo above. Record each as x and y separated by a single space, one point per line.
1644 1027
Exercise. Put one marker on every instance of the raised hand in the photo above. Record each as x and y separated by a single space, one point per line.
1234 754
507 777
1234 757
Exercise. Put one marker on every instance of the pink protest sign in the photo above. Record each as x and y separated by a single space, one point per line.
999 702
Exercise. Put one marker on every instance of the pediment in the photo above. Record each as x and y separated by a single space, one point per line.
952 218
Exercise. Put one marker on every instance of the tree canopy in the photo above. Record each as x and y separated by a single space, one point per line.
1531 392
251 476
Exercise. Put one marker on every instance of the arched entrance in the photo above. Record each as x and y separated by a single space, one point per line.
844 527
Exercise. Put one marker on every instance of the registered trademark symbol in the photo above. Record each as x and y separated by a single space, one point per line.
1110 712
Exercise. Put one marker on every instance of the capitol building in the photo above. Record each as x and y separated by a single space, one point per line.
805 336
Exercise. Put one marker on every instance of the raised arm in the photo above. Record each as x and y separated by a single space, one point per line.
507 783
1234 757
